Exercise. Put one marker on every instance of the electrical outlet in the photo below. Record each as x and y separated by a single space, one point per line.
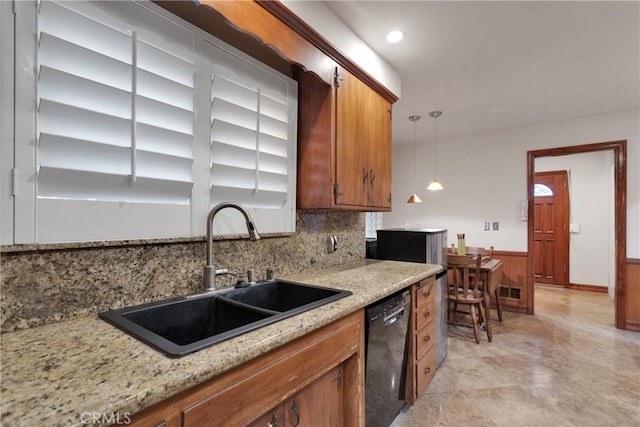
496 226
487 226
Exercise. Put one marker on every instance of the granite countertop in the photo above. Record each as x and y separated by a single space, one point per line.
58 374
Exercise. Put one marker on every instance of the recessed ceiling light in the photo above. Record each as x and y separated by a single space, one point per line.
395 36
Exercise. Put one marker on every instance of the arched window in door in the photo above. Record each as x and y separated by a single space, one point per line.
542 190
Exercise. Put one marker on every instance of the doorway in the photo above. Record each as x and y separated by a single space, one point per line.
619 149
551 228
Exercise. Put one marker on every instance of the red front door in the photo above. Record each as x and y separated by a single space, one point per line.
551 229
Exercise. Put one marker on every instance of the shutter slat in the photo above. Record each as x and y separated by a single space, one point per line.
62 152
80 61
163 63
234 93
81 185
231 134
78 123
232 155
161 89
77 29
230 176
65 88
232 113
166 141
165 116
274 109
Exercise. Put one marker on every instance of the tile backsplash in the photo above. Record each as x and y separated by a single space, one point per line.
45 286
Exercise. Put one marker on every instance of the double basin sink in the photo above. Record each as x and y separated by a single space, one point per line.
181 326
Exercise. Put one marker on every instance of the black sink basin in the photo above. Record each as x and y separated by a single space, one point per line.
285 296
183 325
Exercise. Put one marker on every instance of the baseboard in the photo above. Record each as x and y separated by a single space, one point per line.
632 325
590 288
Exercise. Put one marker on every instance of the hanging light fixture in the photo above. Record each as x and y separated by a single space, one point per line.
435 184
414 197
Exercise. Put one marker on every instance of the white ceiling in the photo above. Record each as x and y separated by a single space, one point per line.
497 65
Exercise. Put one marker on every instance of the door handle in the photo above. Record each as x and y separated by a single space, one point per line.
372 176
365 174
296 413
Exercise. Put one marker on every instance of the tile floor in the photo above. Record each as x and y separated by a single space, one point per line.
565 366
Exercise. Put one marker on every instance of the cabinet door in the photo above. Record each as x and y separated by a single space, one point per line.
379 151
273 418
351 166
321 403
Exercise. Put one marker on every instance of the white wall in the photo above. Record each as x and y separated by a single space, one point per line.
591 192
325 22
485 177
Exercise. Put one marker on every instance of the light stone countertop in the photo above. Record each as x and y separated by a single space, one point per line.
56 374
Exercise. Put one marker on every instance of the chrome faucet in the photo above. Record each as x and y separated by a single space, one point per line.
210 272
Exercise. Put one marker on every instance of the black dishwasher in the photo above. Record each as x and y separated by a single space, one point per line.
387 324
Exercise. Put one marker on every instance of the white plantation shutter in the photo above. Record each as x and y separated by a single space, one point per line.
132 124
253 140
115 125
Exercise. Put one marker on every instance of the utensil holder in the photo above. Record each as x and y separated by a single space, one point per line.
462 250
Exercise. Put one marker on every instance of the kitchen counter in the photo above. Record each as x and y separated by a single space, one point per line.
61 374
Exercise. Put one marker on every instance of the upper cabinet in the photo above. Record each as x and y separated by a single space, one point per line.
344 144
344 115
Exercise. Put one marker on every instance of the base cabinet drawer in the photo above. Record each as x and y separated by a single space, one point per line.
425 370
421 359
425 339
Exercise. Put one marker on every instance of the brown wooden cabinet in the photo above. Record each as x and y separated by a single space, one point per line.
422 353
344 144
318 378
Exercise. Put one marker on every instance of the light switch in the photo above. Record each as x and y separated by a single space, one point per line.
574 228
487 226
496 226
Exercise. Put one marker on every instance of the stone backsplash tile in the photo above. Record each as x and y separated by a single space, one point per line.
48 286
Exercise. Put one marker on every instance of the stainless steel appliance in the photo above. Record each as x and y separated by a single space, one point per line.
428 245
387 324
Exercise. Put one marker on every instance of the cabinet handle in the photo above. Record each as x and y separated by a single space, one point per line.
372 176
427 370
296 412
427 338
273 422
427 314
365 174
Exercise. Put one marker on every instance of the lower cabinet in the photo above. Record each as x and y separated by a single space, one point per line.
317 379
320 403
421 365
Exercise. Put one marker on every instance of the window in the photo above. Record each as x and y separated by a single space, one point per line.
120 92
253 120
542 190
373 223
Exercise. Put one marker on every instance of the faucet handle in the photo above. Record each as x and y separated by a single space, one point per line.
271 274
251 276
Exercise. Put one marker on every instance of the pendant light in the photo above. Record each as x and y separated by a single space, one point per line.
435 184
414 197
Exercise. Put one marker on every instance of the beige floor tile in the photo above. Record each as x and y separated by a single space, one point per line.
567 365
514 406
443 409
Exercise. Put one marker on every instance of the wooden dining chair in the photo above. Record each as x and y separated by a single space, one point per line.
464 289
486 255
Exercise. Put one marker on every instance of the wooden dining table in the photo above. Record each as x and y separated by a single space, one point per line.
491 273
